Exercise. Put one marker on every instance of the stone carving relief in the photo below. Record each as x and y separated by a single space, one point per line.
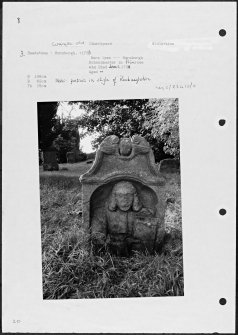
123 203
124 223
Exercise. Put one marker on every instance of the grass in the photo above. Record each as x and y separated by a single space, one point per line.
67 170
72 271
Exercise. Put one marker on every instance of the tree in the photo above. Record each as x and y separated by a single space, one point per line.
129 117
119 117
155 119
68 136
47 121
163 123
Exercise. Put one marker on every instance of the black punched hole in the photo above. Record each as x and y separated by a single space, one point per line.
222 211
222 301
222 32
222 122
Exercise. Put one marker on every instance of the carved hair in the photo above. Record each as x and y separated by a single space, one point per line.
136 204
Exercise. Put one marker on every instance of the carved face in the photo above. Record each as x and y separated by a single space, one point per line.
124 199
125 147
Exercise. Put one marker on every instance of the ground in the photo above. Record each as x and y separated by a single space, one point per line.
71 270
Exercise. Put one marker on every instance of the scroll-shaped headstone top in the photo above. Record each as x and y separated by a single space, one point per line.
123 196
130 157
125 147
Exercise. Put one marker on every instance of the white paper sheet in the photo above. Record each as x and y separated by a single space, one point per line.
181 55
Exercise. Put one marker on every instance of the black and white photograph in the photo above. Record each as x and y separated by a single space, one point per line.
119 167
110 197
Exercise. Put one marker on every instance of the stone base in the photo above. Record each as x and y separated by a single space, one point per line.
126 249
50 161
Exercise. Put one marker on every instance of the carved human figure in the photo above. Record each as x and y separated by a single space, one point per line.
116 223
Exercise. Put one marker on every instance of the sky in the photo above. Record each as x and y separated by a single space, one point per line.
65 109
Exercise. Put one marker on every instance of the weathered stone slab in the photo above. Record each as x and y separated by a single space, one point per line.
75 156
169 165
80 156
50 161
70 157
123 196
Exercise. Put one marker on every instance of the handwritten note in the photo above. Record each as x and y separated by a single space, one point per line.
99 64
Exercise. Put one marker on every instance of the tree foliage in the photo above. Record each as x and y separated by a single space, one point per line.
155 119
61 132
67 136
163 123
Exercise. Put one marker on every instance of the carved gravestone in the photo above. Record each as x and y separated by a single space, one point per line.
70 157
50 160
123 197
79 155
169 165
75 156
